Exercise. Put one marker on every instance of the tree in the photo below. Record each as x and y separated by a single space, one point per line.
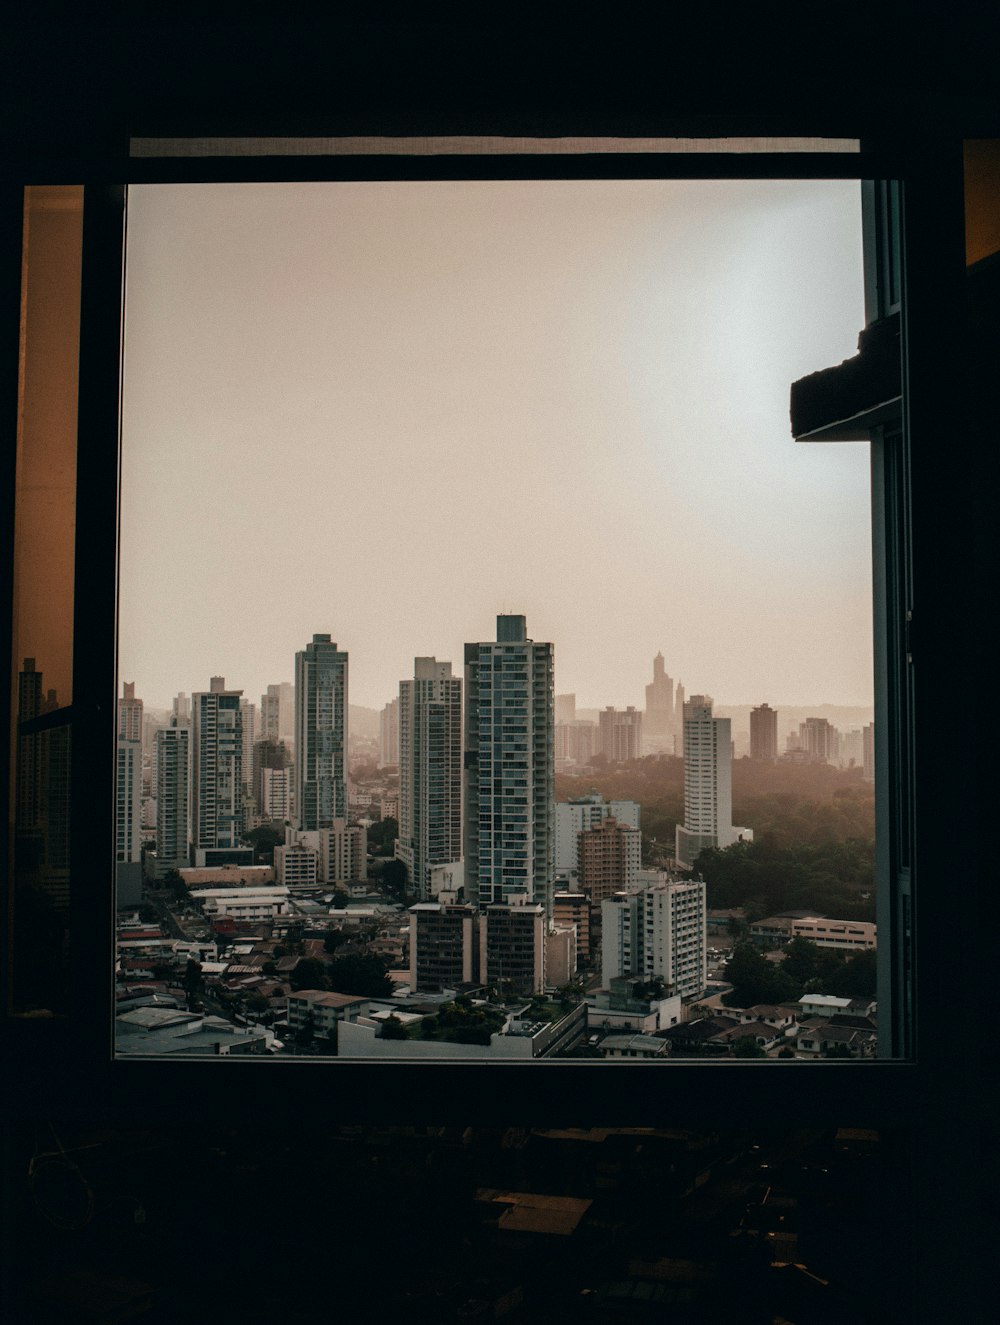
263 840
747 1047
310 973
800 960
193 980
364 975
382 835
755 979
340 899
334 938
393 877
856 977
393 1029
837 1051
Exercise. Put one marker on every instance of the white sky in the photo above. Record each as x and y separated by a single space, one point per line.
389 411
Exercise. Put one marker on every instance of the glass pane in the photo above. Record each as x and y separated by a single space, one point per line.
982 198
396 414
44 533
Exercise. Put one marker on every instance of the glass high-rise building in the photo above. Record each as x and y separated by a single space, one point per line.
320 734
509 775
128 781
172 800
216 773
430 771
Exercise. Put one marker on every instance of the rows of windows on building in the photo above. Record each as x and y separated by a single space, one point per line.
510 886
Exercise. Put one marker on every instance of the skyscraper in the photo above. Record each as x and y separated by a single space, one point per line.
820 739
28 795
388 735
277 713
320 734
610 856
217 774
128 781
763 732
658 721
172 800
509 775
868 751
657 932
620 734
576 815
708 787
430 771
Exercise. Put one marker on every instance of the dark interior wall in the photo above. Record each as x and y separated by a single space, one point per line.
76 88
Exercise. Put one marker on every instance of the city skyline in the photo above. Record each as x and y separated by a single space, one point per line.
457 400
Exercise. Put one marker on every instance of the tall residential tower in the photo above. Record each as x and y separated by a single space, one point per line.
320 734
217 775
430 771
708 784
509 775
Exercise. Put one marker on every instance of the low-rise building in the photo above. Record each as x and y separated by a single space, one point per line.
228 876
624 1007
243 904
560 956
512 946
322 1011
296 866
633 1046
820 1038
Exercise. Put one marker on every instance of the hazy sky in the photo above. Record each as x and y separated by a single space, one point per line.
390 411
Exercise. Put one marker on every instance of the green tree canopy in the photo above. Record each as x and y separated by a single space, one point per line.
310 973
393 1029
392 876
361 974
263 840
747 1047
755 979
856 977
382 835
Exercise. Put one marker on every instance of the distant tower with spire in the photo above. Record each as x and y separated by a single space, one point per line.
659 723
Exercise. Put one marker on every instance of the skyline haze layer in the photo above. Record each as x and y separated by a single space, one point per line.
391 411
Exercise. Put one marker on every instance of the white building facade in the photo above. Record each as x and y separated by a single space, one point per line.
657 932
708 784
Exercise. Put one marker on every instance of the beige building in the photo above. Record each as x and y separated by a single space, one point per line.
323 1010
609 857
573 909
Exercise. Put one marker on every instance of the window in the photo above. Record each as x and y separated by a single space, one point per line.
138 333
929 491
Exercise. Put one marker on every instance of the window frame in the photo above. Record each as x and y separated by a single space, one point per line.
884 1090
